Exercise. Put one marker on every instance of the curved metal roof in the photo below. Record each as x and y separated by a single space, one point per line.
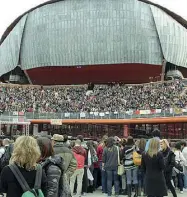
86 32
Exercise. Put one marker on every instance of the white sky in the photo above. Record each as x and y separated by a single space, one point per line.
11 9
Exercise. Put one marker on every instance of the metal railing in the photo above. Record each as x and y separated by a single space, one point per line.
91 115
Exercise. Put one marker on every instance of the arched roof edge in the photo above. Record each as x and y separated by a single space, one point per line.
178 18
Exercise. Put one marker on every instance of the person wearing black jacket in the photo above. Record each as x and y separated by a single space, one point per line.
169 161
153 167
53 167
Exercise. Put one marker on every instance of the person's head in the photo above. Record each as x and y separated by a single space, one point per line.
164 144
178 146
130 141
15 137
110 142
154 147
104 138
65 138
57 139
77 142
46 147
156 133
72 144
183 144
172 145
95 144
117 139
26 152
6 142
142 144
123 142
80 137
90 144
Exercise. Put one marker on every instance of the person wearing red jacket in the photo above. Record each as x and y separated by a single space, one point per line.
100 149
80 155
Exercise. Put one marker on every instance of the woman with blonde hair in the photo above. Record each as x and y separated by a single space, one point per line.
25 156
153 166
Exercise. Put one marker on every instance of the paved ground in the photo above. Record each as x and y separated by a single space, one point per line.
99 194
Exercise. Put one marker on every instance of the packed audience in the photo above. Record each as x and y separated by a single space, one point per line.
75 168
101 98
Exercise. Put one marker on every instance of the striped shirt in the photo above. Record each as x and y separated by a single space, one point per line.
128 157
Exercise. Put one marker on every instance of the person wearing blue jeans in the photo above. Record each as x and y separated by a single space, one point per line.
103 179
110 165
112 177
185 182
180 181
141 181
130 168
132 177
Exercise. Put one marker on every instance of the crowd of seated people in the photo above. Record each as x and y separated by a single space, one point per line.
102 98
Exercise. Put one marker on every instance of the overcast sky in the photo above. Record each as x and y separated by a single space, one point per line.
10 9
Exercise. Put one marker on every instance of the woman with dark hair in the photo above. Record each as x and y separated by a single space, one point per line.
179 159
141 149
92 159
110 165
123 183
169 162
130 168
100 149
93 164
52 166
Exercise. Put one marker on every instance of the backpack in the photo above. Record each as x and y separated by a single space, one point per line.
28 192
137 158
6 156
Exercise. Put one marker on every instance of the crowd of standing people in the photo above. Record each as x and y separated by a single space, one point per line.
96 98
56 167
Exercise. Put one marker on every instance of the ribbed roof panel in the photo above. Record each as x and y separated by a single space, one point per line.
10 48
90 32
173 37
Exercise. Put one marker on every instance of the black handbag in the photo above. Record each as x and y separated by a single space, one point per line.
178 166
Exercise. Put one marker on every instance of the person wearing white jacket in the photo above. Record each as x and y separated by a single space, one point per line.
179 158
184 152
